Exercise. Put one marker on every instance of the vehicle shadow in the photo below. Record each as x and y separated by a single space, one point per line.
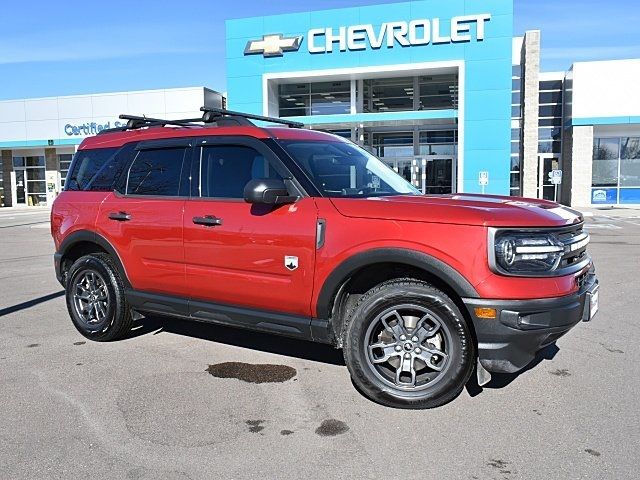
264 342
291 347
30 303
501 380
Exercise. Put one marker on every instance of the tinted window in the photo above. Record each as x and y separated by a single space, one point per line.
226 169
87 166
550 122
550 97
606 148
630 148
551 111
156 172
551 85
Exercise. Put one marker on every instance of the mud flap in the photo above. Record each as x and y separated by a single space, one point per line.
483 375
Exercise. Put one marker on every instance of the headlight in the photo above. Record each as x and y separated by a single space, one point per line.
522 253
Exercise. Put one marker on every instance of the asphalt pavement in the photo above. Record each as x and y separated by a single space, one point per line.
167 402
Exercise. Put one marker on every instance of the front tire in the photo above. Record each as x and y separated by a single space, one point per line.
95 299
407 345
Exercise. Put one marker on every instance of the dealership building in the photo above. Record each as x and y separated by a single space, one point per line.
441 90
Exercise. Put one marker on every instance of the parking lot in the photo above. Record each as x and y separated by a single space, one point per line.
157 405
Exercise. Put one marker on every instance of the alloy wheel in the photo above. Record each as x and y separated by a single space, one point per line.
408 347
91 298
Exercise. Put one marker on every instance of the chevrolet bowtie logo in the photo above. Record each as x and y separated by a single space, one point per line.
273 45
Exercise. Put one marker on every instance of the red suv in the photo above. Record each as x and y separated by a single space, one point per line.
302 233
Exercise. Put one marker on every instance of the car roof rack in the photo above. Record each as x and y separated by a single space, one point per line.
213 114
218 116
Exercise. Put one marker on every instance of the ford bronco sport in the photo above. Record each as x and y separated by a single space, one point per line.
302 233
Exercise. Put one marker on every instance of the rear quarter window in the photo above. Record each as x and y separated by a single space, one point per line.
98 170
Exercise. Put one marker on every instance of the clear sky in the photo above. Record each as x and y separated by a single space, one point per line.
63 48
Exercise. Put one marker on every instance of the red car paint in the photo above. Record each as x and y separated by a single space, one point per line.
240 263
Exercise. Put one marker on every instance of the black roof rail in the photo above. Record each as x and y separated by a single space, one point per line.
211 114
220 116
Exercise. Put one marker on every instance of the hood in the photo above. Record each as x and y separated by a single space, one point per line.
461 209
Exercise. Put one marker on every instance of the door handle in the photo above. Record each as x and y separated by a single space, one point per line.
120 216
207 221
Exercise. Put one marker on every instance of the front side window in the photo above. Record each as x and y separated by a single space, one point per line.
345 170
156 172
226 169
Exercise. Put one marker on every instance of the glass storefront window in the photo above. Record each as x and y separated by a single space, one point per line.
64 160
550 111
630 162
549 134
550 97
606 148
551 85
616 170
395 144
630 172
388 94
549 147
322 98
630 147
438 142
605 162
438 92
515 163
550 122
35 174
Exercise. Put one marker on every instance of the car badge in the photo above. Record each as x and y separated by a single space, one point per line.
291 262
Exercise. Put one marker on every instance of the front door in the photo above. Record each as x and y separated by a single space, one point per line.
144 222
547 190
240 254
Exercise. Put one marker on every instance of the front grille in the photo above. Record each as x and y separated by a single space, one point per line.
575 241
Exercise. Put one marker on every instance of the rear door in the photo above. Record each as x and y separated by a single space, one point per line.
256 256
144 220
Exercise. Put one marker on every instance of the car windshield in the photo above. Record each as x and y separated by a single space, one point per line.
340 169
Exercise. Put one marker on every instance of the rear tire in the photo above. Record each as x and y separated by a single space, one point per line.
95 299
407 345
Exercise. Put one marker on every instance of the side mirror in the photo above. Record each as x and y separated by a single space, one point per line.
267 191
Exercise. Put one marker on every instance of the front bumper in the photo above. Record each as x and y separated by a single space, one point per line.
510 342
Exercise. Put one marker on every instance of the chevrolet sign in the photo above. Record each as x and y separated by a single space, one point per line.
273 45
389 34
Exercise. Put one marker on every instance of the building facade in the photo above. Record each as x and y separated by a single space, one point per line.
39 136
424 85
439 89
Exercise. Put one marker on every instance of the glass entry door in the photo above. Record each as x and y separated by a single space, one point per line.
439 175
31 186
21 187
547 190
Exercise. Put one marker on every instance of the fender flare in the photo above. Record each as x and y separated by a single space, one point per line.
93 237
429 264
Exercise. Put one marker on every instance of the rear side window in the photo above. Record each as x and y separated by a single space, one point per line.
156 172
92 170
226 169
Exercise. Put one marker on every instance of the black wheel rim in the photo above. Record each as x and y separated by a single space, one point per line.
91 299
408 347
